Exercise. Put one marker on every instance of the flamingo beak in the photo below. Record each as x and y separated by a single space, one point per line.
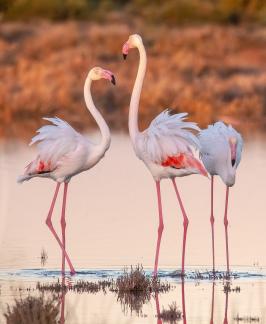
113 80
125 50
109 76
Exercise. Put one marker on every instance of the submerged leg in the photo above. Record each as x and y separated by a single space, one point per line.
160 228
212 225
50 226
185 224
226 230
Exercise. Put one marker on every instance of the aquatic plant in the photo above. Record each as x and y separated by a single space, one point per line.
135 280
171 315
81 286
33 310
134 288
246 319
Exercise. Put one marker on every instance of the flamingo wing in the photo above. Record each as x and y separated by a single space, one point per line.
54 142
166 137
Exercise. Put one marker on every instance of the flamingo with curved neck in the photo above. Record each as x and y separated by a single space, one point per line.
64 153
165 146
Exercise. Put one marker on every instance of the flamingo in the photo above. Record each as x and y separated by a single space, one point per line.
166 147
64 153
221 149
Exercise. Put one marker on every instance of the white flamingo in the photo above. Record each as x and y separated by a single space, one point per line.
165 147
64 153
221 148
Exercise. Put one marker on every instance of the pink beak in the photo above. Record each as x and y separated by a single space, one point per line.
109 76
125 50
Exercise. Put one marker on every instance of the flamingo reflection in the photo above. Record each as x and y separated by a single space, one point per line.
157 301
212 308
226 304
62 299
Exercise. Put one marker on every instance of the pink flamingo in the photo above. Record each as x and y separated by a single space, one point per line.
221 148
64 153
165 146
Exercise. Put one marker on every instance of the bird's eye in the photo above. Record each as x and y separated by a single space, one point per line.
233 162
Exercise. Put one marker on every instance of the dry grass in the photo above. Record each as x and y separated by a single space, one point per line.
171 315
136 281
81 286
33 310
212 72
246 319
134 289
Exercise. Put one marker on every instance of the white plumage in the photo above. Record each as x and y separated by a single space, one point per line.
167 135
219 143
62 152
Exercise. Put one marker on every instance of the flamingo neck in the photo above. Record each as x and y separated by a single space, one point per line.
135 97
104 129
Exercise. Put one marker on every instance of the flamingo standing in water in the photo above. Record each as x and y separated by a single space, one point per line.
63 153
221 148
165 147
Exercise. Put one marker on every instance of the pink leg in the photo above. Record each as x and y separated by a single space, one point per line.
185 224
63 227
50 226
212 225
226 229
160 228
184 302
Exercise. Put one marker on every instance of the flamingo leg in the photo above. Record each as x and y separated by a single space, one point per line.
51 228
226 229
63 227
160 228
212 225
185 225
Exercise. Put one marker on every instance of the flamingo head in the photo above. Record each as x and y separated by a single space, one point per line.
133 41
227 163
98 73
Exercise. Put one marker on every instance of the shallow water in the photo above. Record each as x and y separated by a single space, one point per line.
112 223
198 300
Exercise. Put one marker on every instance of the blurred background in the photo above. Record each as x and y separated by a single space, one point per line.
206 57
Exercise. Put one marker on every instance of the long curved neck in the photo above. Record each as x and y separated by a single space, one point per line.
104 129
135 97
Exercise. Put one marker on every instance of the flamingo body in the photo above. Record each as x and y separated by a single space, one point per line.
64 153
167 146
221 149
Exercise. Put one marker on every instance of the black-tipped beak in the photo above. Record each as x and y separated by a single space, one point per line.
113 80
125 56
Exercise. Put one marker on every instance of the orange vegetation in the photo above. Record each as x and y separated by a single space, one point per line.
212 72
